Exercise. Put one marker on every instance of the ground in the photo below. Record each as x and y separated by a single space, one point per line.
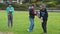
21 23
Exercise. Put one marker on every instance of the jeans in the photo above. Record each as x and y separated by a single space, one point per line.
31 23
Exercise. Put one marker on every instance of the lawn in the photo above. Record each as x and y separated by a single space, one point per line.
21 23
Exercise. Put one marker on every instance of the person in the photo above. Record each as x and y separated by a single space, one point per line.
31 17
10 11
44 17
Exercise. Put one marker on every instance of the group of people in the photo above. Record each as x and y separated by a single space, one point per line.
32 13
43 15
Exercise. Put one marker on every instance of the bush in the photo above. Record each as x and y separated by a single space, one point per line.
38 4
15 5
20 7
3 6
51 4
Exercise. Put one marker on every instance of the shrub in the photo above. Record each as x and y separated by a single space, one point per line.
50 4
15 5
3 6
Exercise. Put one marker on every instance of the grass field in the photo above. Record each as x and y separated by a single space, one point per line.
21 23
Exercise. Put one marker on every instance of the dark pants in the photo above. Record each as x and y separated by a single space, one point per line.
44 23
10 21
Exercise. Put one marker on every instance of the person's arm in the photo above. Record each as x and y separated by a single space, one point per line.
12 10
46 13
7 10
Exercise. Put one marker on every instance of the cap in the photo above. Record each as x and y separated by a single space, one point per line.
9 3
43 6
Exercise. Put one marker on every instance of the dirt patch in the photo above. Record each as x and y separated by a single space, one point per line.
6 33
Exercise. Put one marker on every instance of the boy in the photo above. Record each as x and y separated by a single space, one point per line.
9 11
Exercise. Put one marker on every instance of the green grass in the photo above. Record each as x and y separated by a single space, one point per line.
21 23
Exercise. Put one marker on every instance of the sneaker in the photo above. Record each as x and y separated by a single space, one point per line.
29 30
45 33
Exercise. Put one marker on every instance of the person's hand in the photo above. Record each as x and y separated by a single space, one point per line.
42 19
10 10
34 12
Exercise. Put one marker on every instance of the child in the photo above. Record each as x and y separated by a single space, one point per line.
9 11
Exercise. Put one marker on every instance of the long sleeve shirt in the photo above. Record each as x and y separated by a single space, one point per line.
8 9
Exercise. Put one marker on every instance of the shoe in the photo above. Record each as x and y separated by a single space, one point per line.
45 33
29 30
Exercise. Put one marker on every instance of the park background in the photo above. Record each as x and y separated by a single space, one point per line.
21 17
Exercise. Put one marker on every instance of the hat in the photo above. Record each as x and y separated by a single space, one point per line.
9 3
43 6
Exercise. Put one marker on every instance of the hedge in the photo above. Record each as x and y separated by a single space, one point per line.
15 5
24 6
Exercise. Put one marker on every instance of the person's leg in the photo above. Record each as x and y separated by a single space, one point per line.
31 23
9 21
44 27
44 23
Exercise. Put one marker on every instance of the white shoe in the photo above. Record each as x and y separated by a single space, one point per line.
28 30
45 33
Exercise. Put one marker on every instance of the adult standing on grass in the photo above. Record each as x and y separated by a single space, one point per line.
44 17
31 17
9 11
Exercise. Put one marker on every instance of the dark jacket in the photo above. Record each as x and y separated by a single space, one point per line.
44 13
31 12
